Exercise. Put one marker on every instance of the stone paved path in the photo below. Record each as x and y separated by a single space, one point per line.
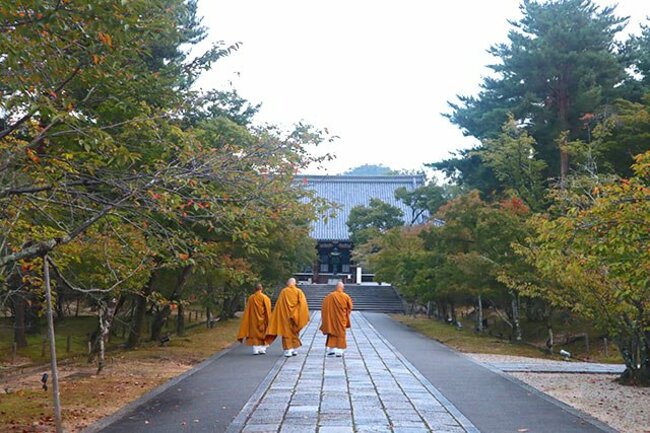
377 392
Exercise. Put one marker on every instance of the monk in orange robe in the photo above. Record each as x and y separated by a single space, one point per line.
290 315
255 321
335 317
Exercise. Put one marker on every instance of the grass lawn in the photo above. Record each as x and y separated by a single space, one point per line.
87 397
77 328
468 341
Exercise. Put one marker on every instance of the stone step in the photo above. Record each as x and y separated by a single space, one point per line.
365 298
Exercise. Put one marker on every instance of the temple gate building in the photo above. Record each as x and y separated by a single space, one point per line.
331 234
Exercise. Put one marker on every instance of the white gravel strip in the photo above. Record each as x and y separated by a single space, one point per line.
490 358
624 408
536 365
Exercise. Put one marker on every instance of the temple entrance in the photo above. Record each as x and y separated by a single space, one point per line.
334 262
331 233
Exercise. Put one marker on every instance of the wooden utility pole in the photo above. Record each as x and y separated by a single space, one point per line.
50 332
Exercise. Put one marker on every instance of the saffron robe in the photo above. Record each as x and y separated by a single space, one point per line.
335 316
255 319
290 315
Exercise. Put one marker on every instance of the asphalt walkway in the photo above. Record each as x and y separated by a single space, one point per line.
202 400
494 401
391 379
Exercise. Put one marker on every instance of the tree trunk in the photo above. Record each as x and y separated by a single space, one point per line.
158 322
139 314
113 331
32 319
563 104
480 314
645 359
106 315
645 356
633 343
229 307
60 300
161 317
208 317
564 163
19 320
452 308
637 371
516 326
180 320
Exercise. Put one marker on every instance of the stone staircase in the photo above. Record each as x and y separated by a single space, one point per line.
382 298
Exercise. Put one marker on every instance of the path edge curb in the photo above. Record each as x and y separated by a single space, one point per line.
464 422
120 413
238 423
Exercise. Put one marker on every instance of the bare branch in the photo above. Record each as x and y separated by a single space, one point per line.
79 289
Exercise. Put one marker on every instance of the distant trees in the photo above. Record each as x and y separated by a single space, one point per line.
424 200
364 222
462 258
400 259
512 157
370 170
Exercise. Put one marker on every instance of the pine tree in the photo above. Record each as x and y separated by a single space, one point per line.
560 63
640 53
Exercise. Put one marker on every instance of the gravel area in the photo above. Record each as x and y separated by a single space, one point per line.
490 358
624 408
510 364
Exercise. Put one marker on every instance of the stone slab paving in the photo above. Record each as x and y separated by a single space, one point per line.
557 367
371 389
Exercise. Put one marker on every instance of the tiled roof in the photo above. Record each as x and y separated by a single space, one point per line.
351 191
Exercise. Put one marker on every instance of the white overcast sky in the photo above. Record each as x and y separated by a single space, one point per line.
376 73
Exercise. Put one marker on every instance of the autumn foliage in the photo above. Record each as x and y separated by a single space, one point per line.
141 190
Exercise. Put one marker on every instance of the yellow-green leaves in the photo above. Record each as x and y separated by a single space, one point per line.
596 260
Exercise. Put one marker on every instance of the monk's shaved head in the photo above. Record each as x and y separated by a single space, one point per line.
340 285
291 282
